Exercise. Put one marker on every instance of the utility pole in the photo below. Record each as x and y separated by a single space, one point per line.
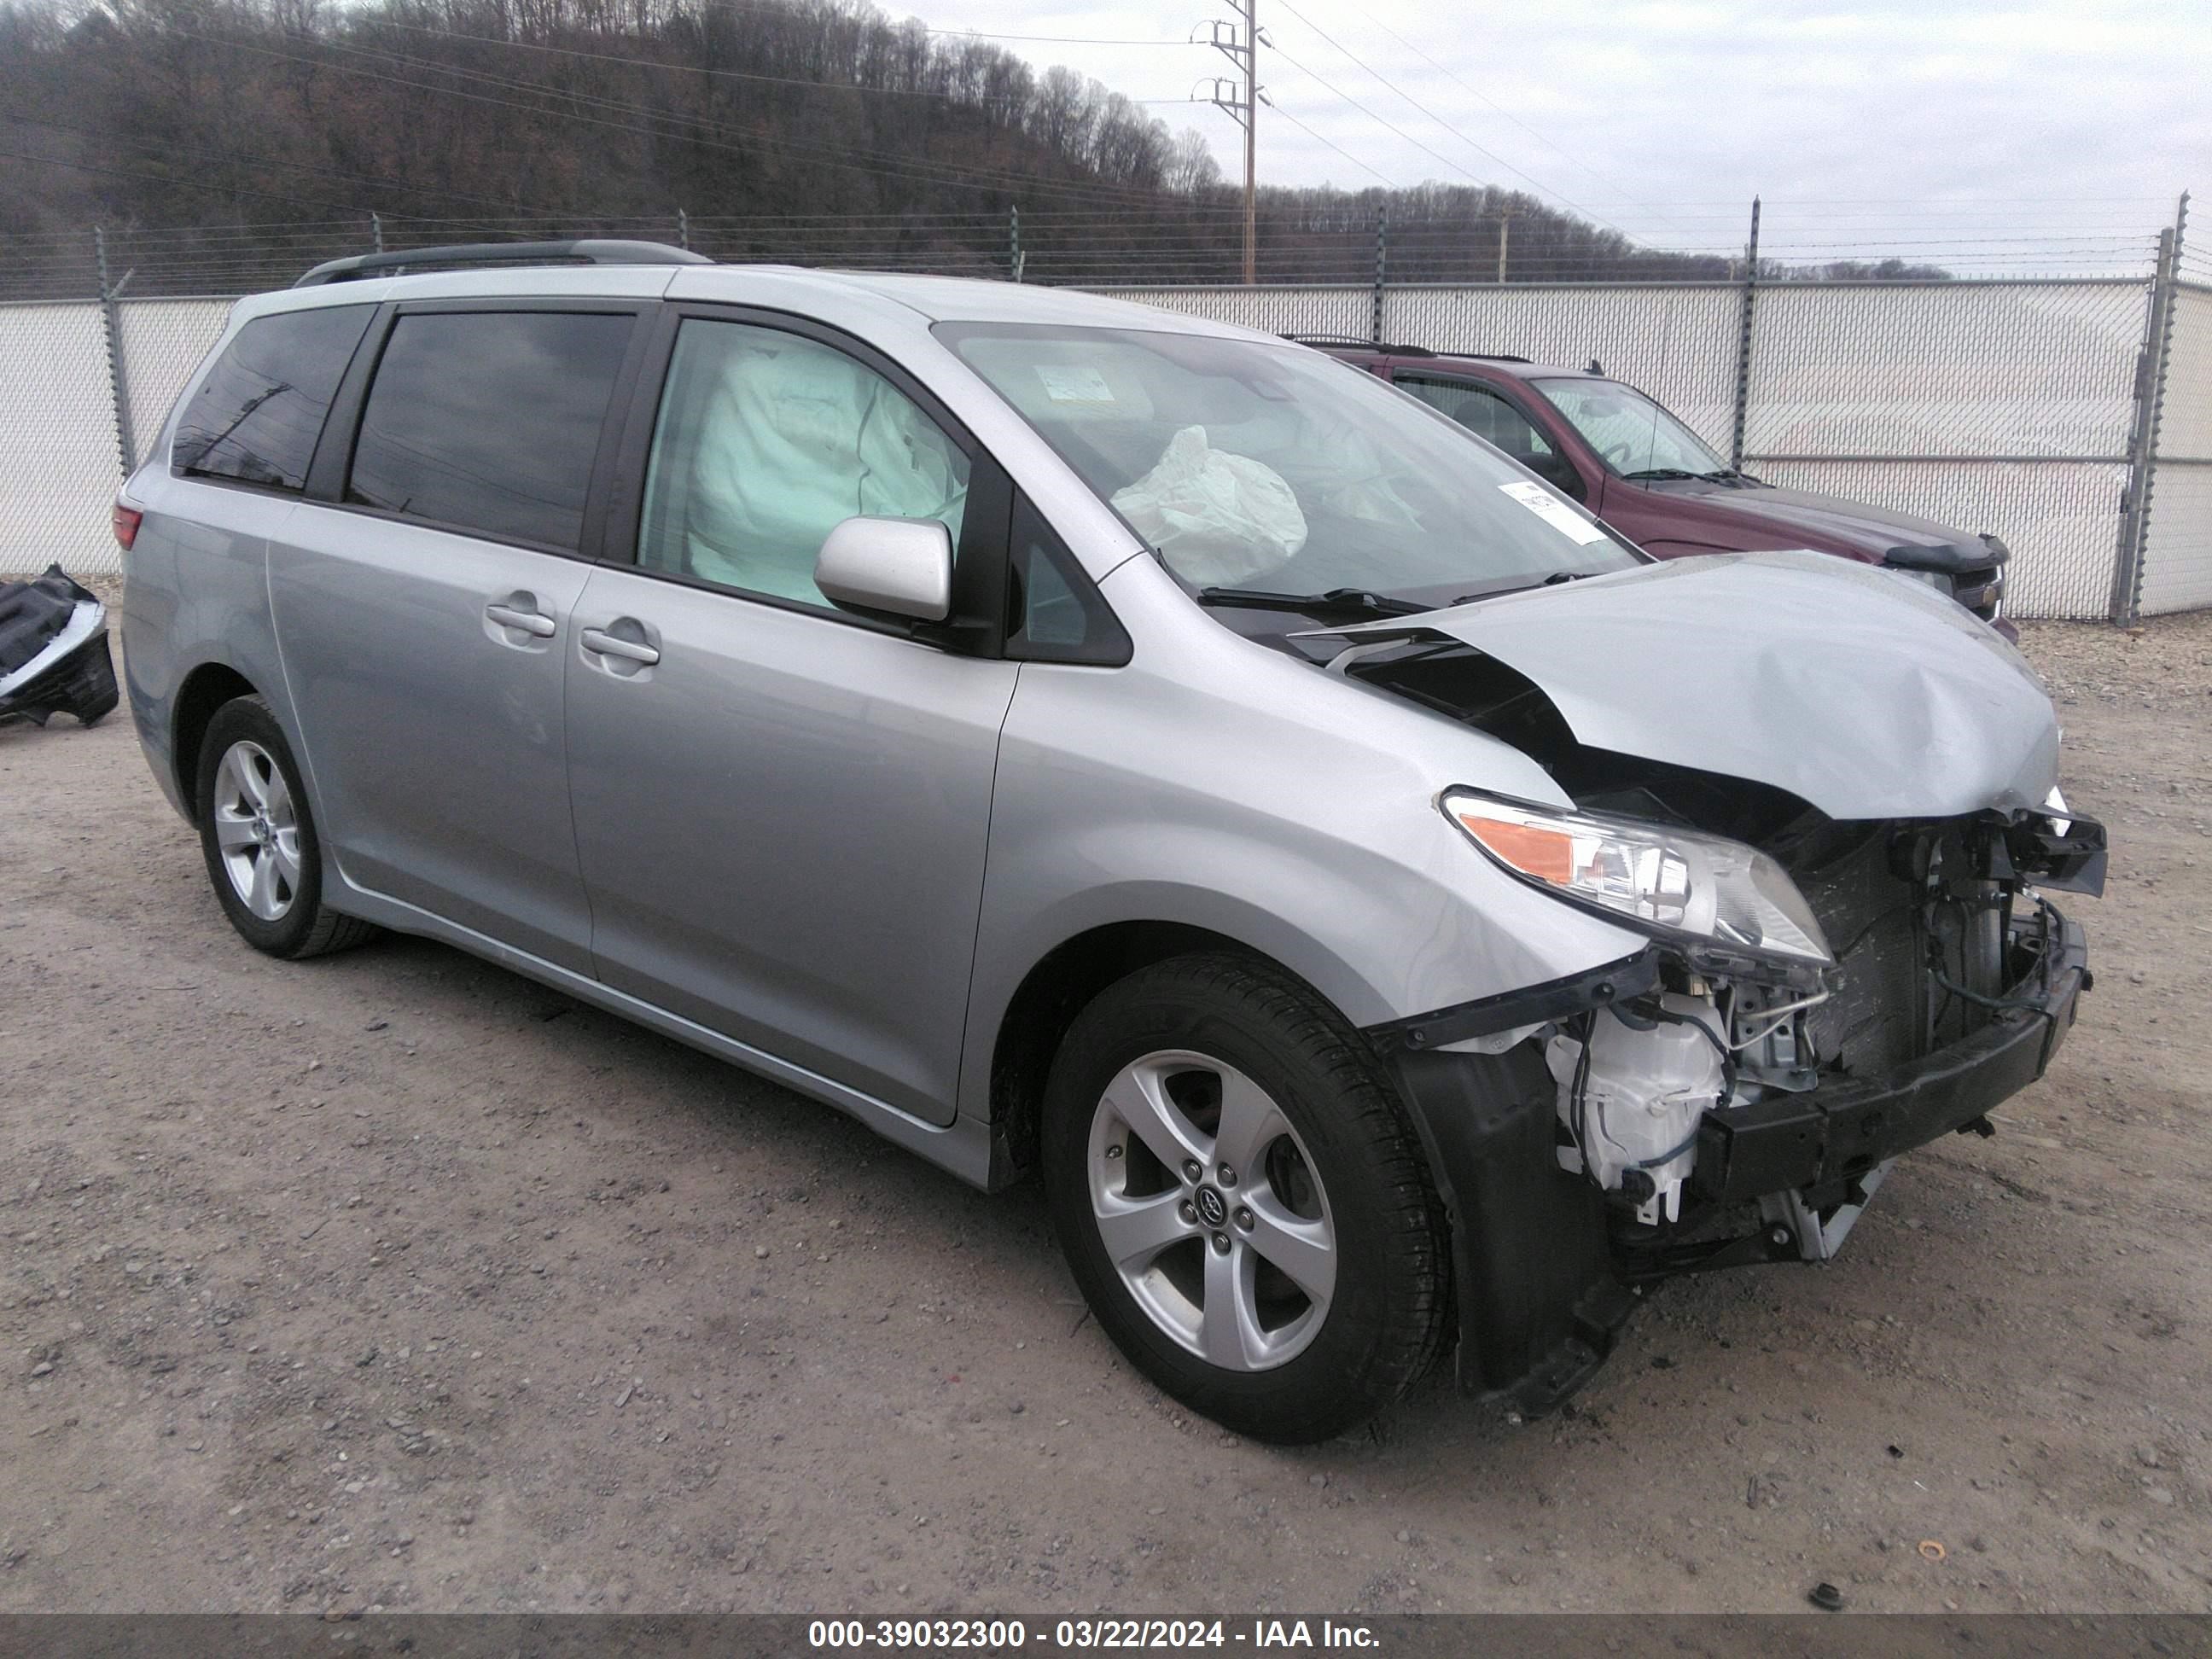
1504 232
1242 48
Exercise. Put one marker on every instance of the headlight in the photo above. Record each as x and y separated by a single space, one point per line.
1711 894
1938 579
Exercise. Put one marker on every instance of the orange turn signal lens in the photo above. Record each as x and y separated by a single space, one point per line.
1547 854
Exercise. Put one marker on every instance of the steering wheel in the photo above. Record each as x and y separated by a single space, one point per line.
1620 453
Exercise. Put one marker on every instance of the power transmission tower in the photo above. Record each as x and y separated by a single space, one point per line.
1241 46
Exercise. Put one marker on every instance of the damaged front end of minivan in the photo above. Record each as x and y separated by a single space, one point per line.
1843 961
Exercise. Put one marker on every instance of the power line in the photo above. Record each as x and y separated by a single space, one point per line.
1508 115
167 148
1440 121
1331 142
369 25
930 172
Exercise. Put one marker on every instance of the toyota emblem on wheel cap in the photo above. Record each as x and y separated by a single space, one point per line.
1212 1208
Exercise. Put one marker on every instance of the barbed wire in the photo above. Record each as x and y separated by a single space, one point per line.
1179 243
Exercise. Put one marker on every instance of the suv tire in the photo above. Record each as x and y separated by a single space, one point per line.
258 833
1243 1200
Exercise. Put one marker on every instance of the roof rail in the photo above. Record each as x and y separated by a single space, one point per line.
577 252
1352 342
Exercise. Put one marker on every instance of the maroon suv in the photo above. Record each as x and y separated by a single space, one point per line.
1646 474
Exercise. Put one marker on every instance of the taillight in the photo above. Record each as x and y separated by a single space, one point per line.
125 521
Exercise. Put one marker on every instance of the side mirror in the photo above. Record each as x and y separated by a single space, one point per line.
888 567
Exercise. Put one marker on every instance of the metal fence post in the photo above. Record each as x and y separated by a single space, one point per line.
111 317
1014 242
1381 265
682 230
1743 339
376 229
2126 607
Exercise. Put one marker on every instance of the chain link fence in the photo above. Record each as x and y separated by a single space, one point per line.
2058 414
2177 561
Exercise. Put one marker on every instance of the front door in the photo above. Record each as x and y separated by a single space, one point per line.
424 619
782 809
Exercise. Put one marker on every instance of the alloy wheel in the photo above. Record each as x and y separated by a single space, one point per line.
1211 1210
256 830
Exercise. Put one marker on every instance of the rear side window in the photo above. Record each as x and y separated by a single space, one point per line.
490 421
1482 412
256 415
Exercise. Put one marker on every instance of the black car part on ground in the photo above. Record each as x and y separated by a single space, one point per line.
1934 1021
54 651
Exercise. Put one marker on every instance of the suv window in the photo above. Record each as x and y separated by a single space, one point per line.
256 416
1481 411
490 421
765 441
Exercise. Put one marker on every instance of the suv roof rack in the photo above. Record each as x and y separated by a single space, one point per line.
587 252
1354 343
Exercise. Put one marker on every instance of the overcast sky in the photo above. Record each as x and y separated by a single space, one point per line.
1871 125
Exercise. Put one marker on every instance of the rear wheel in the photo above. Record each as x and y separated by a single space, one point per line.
1241 1199
258 837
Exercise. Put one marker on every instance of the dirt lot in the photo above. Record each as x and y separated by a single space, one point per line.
394 1280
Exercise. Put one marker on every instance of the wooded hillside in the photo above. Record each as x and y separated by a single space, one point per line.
231 142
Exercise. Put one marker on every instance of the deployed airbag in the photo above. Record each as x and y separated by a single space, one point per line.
797 439
54 651
1216 518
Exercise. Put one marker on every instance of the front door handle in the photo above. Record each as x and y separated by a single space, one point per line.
528 621
599 641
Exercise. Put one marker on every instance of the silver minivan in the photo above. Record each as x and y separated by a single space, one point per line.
1392 915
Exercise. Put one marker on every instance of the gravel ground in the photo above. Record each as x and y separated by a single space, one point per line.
396 1281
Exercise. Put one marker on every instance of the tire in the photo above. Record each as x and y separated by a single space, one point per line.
257 834
1332 1295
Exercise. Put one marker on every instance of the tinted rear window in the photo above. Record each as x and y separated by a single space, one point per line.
490 421
256 415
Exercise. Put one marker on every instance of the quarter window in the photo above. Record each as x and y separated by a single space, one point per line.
256 416
765 442
490 421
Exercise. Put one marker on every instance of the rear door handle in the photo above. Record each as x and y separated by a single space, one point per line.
528 621
599 641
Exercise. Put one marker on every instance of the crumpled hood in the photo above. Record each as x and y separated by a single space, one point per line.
1860 691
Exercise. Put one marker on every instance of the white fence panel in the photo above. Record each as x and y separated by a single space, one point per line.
60 462
2177 568
1348 311
1677 342
2003 407
2061 521
163 341
1975 370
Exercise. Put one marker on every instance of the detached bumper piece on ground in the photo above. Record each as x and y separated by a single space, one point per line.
54 651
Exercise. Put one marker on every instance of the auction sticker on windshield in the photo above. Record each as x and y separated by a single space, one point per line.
1555 513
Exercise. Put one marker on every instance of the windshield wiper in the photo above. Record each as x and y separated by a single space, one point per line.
1734 475
1336 602
1661 473
1557 578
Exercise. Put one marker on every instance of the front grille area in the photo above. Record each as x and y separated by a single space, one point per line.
1979 591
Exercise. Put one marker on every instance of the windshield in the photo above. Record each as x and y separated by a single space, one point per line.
1253 466
1632 433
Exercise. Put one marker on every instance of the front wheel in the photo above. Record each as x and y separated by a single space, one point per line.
1241 1199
